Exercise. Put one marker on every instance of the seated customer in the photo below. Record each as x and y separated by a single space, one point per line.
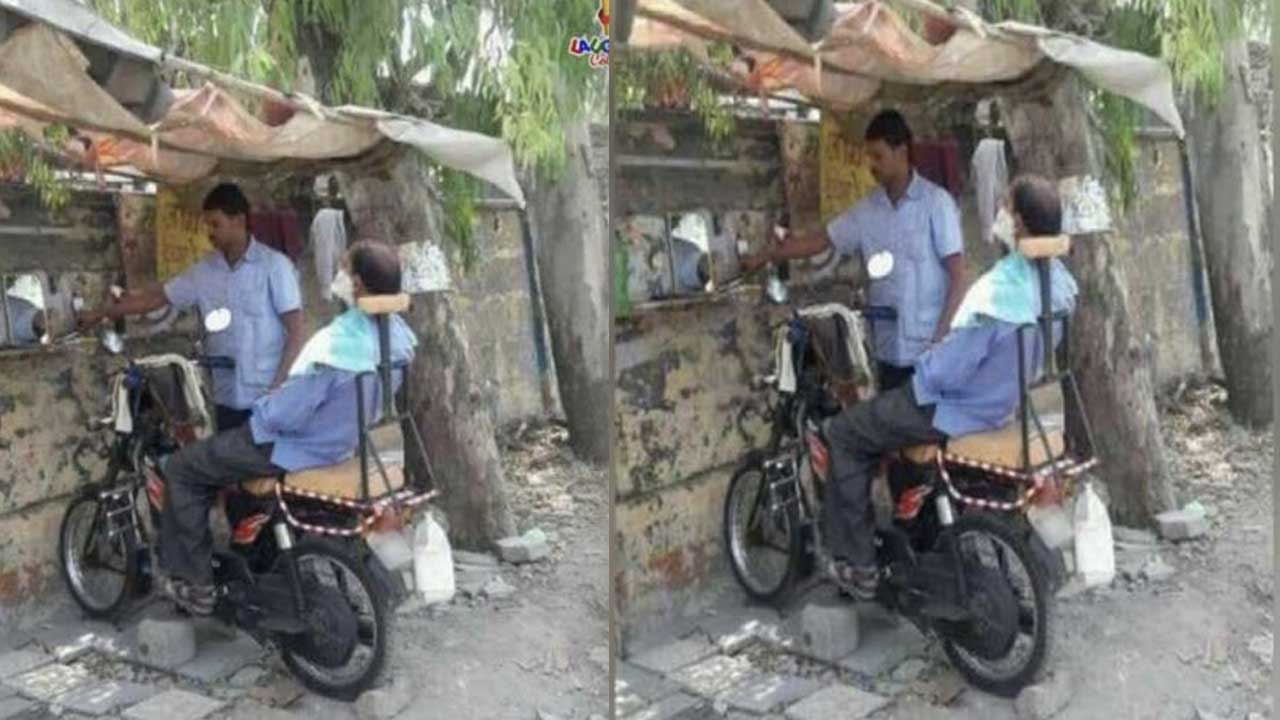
966 384
310 421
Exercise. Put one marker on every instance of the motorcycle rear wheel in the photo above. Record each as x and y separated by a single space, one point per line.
82 550
333 566
765 546
1009 675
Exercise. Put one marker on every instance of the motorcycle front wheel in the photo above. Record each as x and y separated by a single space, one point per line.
762 535
100 571
346 599
1006 580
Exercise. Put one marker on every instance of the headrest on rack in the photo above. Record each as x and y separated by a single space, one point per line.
1046 246
383 304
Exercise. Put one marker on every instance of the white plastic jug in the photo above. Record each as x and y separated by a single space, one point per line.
432 562
1094 549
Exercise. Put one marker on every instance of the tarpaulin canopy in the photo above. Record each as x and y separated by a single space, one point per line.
871 53
62 64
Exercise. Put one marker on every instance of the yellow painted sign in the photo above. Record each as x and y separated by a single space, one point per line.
181 236
844 166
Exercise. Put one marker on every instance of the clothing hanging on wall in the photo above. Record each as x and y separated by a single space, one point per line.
328 242
990 178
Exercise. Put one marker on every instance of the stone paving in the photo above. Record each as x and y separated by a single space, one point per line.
742 662
70 667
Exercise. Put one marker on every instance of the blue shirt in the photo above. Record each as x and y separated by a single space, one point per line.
920 231
311 419
258 290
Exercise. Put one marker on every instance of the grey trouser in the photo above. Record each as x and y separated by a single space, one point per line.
860 437
193 477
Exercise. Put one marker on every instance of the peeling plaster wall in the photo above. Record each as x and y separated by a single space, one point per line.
48 396
685 415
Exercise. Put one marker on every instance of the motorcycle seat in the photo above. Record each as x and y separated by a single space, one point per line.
1003 447
343 479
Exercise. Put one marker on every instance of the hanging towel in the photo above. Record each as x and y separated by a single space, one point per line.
329 242
350 343
1010 292
990 178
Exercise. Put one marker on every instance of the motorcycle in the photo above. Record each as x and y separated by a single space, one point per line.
310 587
959 554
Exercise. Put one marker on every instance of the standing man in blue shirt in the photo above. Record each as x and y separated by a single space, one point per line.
919 224
966 384
309 421
260 288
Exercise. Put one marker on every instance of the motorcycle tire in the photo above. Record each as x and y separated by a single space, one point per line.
766 592
315 677
1016 538
104 608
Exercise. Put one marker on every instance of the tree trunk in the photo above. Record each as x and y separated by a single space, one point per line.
1053 138
457 429
1231 188
573 266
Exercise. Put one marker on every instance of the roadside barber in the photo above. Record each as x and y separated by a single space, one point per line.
255 283
918 224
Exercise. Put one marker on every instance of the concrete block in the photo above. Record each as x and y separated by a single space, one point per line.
174 704
837 701
384 703
527 548
764 693
667 709
1182 524
47 682
674 655
166 643
21 661
220 659
883 649
715 675
825 631
103 698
